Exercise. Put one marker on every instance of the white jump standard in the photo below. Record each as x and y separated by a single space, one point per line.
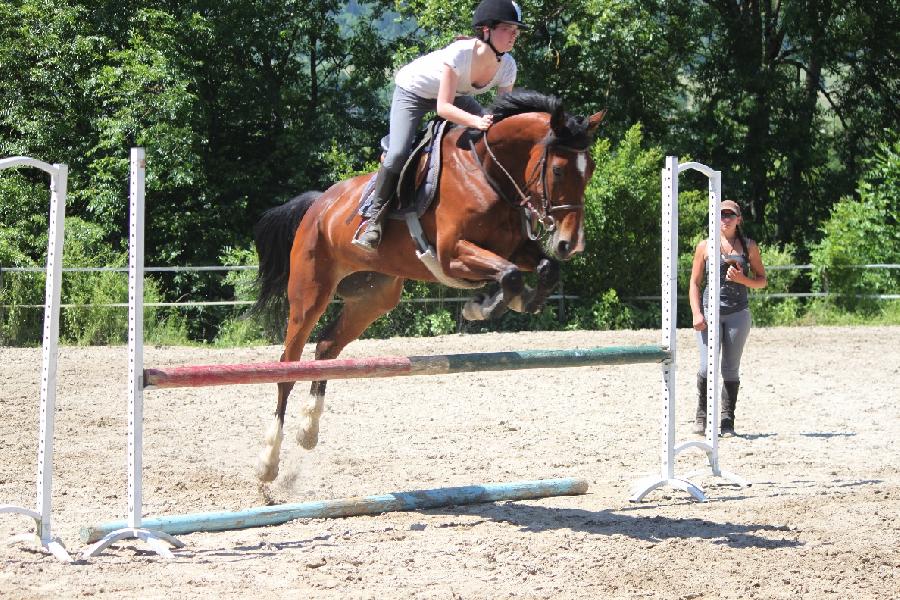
42 514
157 540
710 446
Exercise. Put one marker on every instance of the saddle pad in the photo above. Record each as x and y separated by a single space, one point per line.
423 194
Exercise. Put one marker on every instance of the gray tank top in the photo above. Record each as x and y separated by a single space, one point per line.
732 296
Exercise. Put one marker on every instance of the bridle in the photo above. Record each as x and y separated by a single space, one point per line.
537 212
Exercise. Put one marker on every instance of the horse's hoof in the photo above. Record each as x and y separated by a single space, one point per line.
473 310
534 309
308 438
266 472
471 313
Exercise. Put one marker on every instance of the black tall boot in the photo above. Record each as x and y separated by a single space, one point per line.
385 186
700 422
729 401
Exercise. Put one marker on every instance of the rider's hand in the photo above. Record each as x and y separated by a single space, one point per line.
482 122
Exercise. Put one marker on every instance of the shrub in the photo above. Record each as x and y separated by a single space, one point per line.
776 311
609 313
621 222
863 231
83 323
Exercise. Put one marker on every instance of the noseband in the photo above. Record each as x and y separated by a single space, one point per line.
537 212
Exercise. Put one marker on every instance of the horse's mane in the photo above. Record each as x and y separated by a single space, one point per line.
519 101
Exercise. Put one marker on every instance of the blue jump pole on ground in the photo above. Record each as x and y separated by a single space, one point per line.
349 507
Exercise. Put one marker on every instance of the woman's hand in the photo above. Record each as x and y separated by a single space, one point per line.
482 123
735 274
699 322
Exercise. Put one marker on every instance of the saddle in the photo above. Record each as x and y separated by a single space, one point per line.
417 186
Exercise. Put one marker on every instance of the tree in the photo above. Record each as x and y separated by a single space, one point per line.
773 90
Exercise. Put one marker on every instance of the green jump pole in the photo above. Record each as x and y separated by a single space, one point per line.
348 507
398 366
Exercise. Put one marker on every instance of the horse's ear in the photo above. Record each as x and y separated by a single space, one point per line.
558 120
594 121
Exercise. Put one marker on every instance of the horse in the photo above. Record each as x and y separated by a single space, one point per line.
509 200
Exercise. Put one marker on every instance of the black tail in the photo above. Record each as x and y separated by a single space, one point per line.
274 236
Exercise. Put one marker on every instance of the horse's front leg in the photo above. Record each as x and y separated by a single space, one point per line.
476 263
532 257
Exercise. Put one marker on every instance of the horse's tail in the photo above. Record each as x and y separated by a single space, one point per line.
274 236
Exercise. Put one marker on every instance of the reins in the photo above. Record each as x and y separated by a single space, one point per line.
535 215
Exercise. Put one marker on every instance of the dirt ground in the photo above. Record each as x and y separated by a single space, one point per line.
818 423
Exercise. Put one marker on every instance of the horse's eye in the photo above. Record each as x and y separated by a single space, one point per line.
557 171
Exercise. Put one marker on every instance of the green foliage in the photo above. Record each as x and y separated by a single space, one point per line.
621 222
416 319
243 104
165 327
86 316
609 313
776 311
19 324
339 165
826 312
85 324
243 327
241 332
863 231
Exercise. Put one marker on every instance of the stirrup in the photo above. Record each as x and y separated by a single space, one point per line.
359 240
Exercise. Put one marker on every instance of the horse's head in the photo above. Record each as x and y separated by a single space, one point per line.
558 166
567 170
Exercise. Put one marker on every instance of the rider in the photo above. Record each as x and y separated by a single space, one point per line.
446 80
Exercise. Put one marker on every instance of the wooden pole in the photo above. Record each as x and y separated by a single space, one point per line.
349 507
398 366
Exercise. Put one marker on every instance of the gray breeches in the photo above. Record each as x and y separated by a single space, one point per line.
732 337
407 111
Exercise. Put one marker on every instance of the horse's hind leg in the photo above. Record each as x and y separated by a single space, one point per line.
309 295
267 460
366 296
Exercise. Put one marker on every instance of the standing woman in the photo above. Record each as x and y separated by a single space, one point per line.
738 253
445 81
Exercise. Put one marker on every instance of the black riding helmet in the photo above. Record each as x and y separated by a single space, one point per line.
491 12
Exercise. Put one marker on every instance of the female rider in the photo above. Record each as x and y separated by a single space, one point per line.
445 81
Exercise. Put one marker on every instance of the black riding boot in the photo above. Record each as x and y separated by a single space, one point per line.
385 185
700 422
729 401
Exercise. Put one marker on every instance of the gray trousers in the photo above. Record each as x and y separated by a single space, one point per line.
407 111
733 333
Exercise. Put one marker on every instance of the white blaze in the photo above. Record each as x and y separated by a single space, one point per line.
581 162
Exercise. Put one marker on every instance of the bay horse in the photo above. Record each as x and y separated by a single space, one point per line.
534 161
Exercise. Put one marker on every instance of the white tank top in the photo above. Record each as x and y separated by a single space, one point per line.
422 76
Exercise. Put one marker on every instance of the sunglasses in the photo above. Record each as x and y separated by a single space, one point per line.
727 214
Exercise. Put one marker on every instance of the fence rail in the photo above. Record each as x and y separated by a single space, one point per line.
455 299
254 267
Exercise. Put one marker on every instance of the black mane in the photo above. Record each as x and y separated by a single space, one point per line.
573 133
521 101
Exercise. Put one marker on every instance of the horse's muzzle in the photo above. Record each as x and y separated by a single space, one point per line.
564 246
563 250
